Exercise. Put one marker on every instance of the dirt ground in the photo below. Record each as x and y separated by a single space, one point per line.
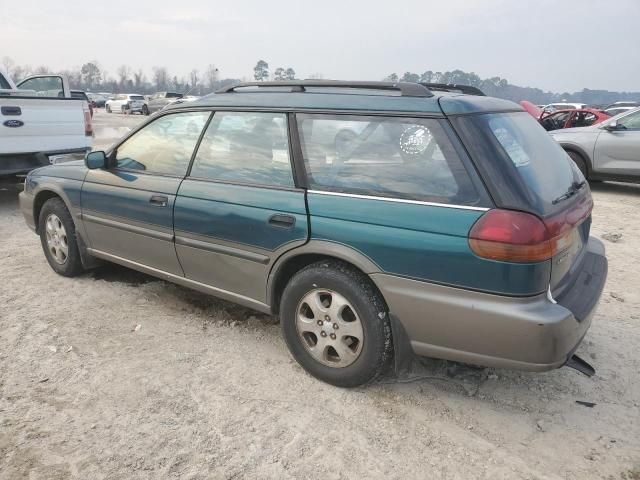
117 375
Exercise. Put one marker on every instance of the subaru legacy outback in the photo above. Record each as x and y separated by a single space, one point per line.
378 220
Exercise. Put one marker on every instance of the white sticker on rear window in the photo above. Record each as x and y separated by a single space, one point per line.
509 142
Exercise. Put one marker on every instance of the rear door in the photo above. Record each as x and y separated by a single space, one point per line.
239 209
618 151
128 210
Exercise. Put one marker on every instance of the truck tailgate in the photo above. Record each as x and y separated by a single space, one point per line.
32 124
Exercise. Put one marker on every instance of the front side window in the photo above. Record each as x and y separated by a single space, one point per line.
583 119
404 158
245 147
631 122
164 146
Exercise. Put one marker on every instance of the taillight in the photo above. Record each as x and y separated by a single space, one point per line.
88 126
512 236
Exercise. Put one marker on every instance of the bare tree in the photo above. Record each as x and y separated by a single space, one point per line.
138 78
8 64
42 70
124 71
160 77
193 78
211 76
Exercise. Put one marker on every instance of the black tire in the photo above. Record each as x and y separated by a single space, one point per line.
580 163
376 350
72 265
145 110
107 108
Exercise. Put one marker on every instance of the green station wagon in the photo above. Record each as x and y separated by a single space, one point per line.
378 220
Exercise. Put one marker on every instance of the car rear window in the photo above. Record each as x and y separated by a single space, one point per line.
173 95
136 97
406 158
527 167
4 83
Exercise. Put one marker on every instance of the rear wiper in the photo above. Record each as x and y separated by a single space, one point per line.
573 189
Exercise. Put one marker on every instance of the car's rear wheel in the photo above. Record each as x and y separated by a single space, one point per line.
579 161
145 110
336 324
58 238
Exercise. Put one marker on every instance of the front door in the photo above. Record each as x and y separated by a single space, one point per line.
128 210
618 151
239 208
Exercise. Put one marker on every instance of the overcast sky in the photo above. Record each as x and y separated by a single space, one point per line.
557 45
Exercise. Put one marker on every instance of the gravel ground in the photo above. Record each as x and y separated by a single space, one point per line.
117 375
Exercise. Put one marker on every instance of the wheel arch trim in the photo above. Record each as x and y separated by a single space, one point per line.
320 248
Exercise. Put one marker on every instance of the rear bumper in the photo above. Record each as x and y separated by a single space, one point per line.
531 333
23 163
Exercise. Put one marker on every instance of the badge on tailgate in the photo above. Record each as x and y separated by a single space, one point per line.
13 123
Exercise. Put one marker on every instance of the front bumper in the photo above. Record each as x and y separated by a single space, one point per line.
531 333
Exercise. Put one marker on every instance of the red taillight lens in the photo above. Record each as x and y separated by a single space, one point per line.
510 236
88 126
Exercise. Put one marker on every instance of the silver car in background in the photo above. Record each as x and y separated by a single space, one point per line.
607 151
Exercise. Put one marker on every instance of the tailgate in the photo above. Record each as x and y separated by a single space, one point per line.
29 125
575 222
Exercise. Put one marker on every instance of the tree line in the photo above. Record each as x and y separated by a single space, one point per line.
92 77
501 88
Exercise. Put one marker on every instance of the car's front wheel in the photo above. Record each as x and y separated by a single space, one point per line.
145 110
58 238
336 324
107 108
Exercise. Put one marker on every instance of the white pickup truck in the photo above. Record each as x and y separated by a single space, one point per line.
40 123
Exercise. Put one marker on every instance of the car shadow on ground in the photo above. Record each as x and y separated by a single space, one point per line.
456 378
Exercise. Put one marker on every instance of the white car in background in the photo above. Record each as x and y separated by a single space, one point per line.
617 110
124 103
552 107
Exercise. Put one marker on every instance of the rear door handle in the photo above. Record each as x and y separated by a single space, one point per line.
282 221
159 200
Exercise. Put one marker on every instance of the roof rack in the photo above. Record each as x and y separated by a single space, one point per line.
406 89
453 87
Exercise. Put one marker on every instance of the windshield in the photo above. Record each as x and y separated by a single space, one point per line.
173 95
529 169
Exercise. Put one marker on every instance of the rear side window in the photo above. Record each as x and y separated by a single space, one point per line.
528 168
405 158
245 147
164 146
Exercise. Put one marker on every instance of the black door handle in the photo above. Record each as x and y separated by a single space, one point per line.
282 221
10 111
159 200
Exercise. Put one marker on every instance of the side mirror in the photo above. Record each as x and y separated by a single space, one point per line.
612 126
97 159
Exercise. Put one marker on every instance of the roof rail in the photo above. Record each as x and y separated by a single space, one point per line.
406 89
453 87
